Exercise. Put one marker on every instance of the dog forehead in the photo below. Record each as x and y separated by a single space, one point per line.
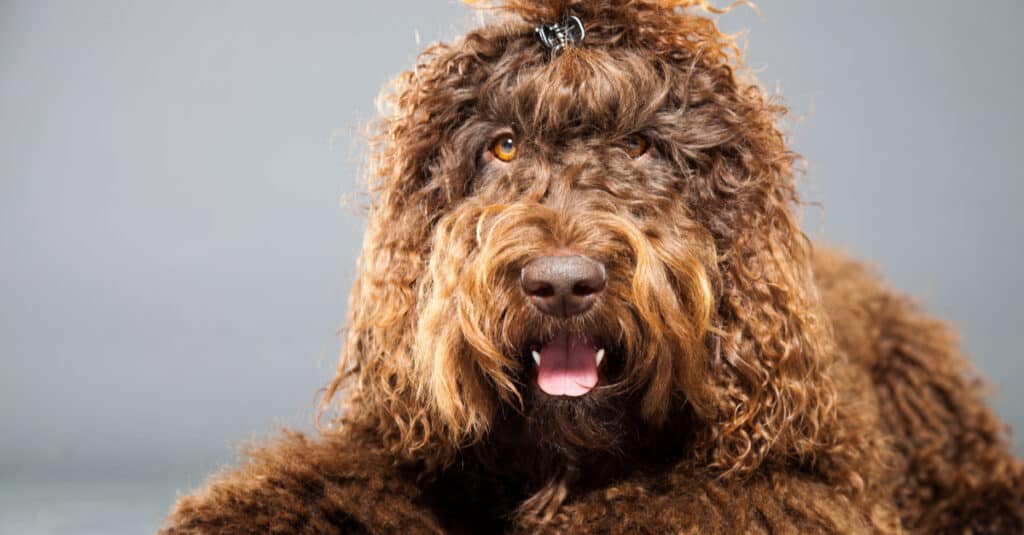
614 91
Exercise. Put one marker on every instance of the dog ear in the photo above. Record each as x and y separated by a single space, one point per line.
409 192
762 382
772 395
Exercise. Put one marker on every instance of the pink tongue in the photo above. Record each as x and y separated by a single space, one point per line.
568 366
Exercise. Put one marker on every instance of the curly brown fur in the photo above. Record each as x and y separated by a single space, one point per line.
752 384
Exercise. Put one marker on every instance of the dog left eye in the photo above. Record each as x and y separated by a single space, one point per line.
504 148
636 145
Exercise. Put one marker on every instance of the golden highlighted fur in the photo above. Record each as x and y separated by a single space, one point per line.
755 383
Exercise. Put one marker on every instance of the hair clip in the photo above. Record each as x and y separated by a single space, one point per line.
558 36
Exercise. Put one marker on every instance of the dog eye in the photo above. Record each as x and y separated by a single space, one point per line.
504 148
636 145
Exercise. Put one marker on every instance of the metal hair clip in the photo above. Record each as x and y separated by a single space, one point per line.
558 36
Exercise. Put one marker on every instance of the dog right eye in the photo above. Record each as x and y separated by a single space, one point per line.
504 148
636 145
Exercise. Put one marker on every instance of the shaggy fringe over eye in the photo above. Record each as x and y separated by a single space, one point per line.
424 365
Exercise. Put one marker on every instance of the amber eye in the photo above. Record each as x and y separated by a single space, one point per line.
504 148
636 145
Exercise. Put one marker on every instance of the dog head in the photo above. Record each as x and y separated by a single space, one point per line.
590 238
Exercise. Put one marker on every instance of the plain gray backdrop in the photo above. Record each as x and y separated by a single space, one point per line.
174 257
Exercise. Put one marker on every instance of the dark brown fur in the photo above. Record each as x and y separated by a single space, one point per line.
756 384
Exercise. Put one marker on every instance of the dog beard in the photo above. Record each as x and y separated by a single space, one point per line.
604 427
555 444
575 428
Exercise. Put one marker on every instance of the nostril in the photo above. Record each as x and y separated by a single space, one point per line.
583 289
541 290
590 279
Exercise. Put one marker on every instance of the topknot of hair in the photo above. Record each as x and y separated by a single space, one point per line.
662 27
546 11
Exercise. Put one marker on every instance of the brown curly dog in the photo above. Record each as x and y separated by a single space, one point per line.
585 305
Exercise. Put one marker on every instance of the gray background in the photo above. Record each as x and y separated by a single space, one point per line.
174 260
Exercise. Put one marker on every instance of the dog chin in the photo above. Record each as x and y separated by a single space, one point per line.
595 421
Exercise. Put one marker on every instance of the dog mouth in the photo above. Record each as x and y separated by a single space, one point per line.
567 364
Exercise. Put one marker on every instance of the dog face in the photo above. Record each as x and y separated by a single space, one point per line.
591 241
571 273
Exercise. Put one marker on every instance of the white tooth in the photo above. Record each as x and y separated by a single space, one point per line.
536 357
600 356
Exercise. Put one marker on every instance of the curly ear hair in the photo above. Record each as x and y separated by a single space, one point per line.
409 194
762 388
772 391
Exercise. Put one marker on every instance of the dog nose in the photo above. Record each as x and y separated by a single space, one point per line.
563 285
